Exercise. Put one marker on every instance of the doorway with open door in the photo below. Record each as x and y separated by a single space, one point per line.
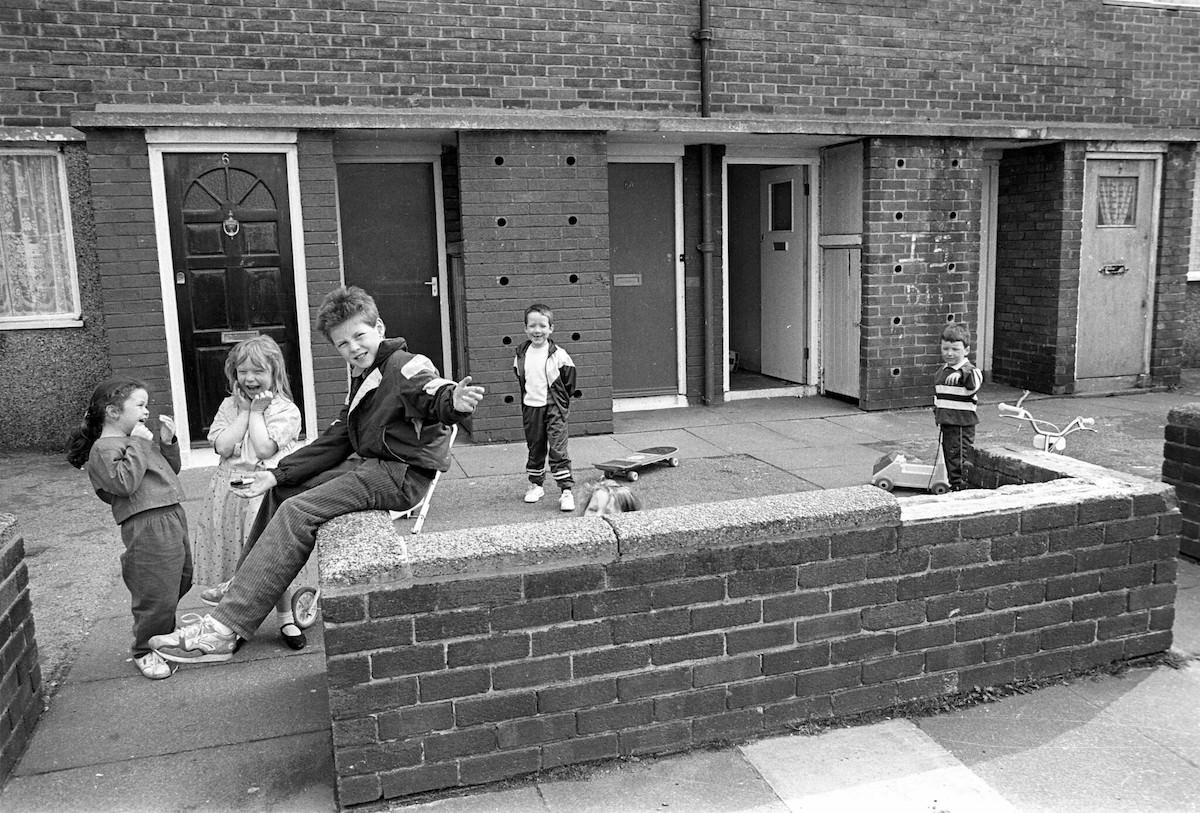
769 306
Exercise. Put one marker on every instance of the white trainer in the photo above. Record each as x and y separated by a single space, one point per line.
566 501
152 665
534 493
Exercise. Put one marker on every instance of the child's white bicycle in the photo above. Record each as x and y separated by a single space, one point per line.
1047 436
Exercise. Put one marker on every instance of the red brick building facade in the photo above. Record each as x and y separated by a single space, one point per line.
811 189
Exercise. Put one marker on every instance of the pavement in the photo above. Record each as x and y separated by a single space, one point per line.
254 735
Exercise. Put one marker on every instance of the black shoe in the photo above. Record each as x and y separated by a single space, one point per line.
297 641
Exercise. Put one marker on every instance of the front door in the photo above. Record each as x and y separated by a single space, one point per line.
231 248
390 249
1115 275
641 216
784 252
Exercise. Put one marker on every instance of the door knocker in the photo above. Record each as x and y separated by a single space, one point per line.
231 225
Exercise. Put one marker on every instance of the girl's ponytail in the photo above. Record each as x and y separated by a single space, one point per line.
112 392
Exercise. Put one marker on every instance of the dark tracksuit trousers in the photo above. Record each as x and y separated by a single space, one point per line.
285 530
958 444
157 569
546 436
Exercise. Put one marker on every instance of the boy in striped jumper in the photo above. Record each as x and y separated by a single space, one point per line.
955 396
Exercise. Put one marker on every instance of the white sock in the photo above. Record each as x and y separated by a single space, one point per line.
219 627
285 618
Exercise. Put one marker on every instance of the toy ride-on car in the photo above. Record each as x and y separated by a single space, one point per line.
896 470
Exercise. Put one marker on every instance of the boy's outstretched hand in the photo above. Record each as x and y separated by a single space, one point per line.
263 482
467 395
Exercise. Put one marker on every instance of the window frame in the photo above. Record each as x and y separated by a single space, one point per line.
74 318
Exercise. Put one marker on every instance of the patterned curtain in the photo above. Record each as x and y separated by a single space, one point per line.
35 266
1116 196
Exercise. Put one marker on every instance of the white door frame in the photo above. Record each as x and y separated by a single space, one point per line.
805 158
619 153
176 140
986 327
354 151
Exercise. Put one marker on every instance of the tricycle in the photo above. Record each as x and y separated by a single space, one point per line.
1047 436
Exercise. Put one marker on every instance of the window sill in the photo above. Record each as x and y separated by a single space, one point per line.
41 323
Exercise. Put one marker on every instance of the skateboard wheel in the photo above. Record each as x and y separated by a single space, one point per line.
673 462
305 606
941 488
632 476
884 483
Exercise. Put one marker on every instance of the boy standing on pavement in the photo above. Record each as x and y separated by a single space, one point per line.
955 398
394 422
546 375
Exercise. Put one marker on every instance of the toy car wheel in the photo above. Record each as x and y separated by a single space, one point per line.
940 488
673 462
884 483
632 476
305 606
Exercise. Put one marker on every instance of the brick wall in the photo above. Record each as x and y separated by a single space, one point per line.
965 60
127 257
1037 260
920 261
1170 279
535 229
20 675
1181 468
506 651
323 259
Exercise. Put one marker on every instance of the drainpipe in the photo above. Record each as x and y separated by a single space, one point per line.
703 36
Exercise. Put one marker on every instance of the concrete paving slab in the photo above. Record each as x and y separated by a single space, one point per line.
801 462
1145 702
657 420
888 766
689 444
745 437
817 433
292 773
1054 750
526 800
896 427
209 706
701 782
485 461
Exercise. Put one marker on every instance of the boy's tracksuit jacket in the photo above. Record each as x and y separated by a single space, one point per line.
560 375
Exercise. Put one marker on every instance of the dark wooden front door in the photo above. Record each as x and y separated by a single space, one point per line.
390 248
231 248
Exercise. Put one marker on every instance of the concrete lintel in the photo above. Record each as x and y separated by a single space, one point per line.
51 135
680 129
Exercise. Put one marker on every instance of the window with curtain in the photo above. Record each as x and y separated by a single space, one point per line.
38 286
1116 201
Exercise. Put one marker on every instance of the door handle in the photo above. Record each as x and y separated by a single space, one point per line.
433 286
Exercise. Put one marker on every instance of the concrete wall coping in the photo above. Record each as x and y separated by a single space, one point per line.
364 547
1079 482
1187 415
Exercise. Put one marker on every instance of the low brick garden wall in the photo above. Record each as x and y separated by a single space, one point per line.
467 657
20 675
1181 468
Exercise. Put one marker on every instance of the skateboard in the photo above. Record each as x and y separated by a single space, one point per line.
627 466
